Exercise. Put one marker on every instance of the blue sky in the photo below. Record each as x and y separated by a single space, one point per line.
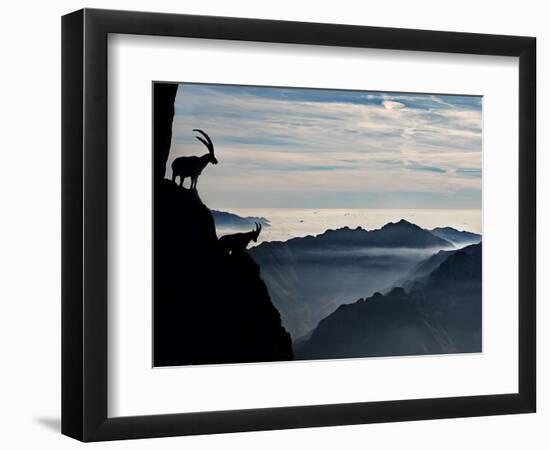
314 148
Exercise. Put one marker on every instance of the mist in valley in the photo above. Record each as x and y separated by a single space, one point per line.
306 285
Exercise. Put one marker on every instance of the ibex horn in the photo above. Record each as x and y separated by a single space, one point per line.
208 143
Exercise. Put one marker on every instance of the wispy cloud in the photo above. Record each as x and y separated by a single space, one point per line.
332 148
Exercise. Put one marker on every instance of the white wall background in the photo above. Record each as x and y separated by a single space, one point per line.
30 222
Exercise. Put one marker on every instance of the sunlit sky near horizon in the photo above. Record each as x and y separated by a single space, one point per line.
312 148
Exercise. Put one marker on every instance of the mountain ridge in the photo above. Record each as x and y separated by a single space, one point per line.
226 219
309 276
456 237
440 314
393 234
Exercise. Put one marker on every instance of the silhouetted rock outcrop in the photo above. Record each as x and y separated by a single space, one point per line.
210 307
164 95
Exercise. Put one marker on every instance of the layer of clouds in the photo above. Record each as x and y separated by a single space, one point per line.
332 148
390 104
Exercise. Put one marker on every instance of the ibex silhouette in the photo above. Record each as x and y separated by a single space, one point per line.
192 166
238 242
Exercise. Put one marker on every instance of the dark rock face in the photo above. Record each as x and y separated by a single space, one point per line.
209 307
164 95
440 314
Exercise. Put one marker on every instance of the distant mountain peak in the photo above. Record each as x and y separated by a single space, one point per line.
401 224
394 234
444 229
404 222
451 230
456 237
231 220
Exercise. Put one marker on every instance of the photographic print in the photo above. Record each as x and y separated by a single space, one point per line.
312 224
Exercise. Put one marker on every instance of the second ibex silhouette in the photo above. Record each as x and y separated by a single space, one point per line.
192 166
238 242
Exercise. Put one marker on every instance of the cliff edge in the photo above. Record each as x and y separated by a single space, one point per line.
210 307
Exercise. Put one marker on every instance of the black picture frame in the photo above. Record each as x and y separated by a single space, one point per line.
84 224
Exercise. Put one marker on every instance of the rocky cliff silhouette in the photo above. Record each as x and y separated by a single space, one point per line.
209 307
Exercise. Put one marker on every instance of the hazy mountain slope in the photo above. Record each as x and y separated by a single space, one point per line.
426 266
451 297
456 237
309 277
378 326
441 314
